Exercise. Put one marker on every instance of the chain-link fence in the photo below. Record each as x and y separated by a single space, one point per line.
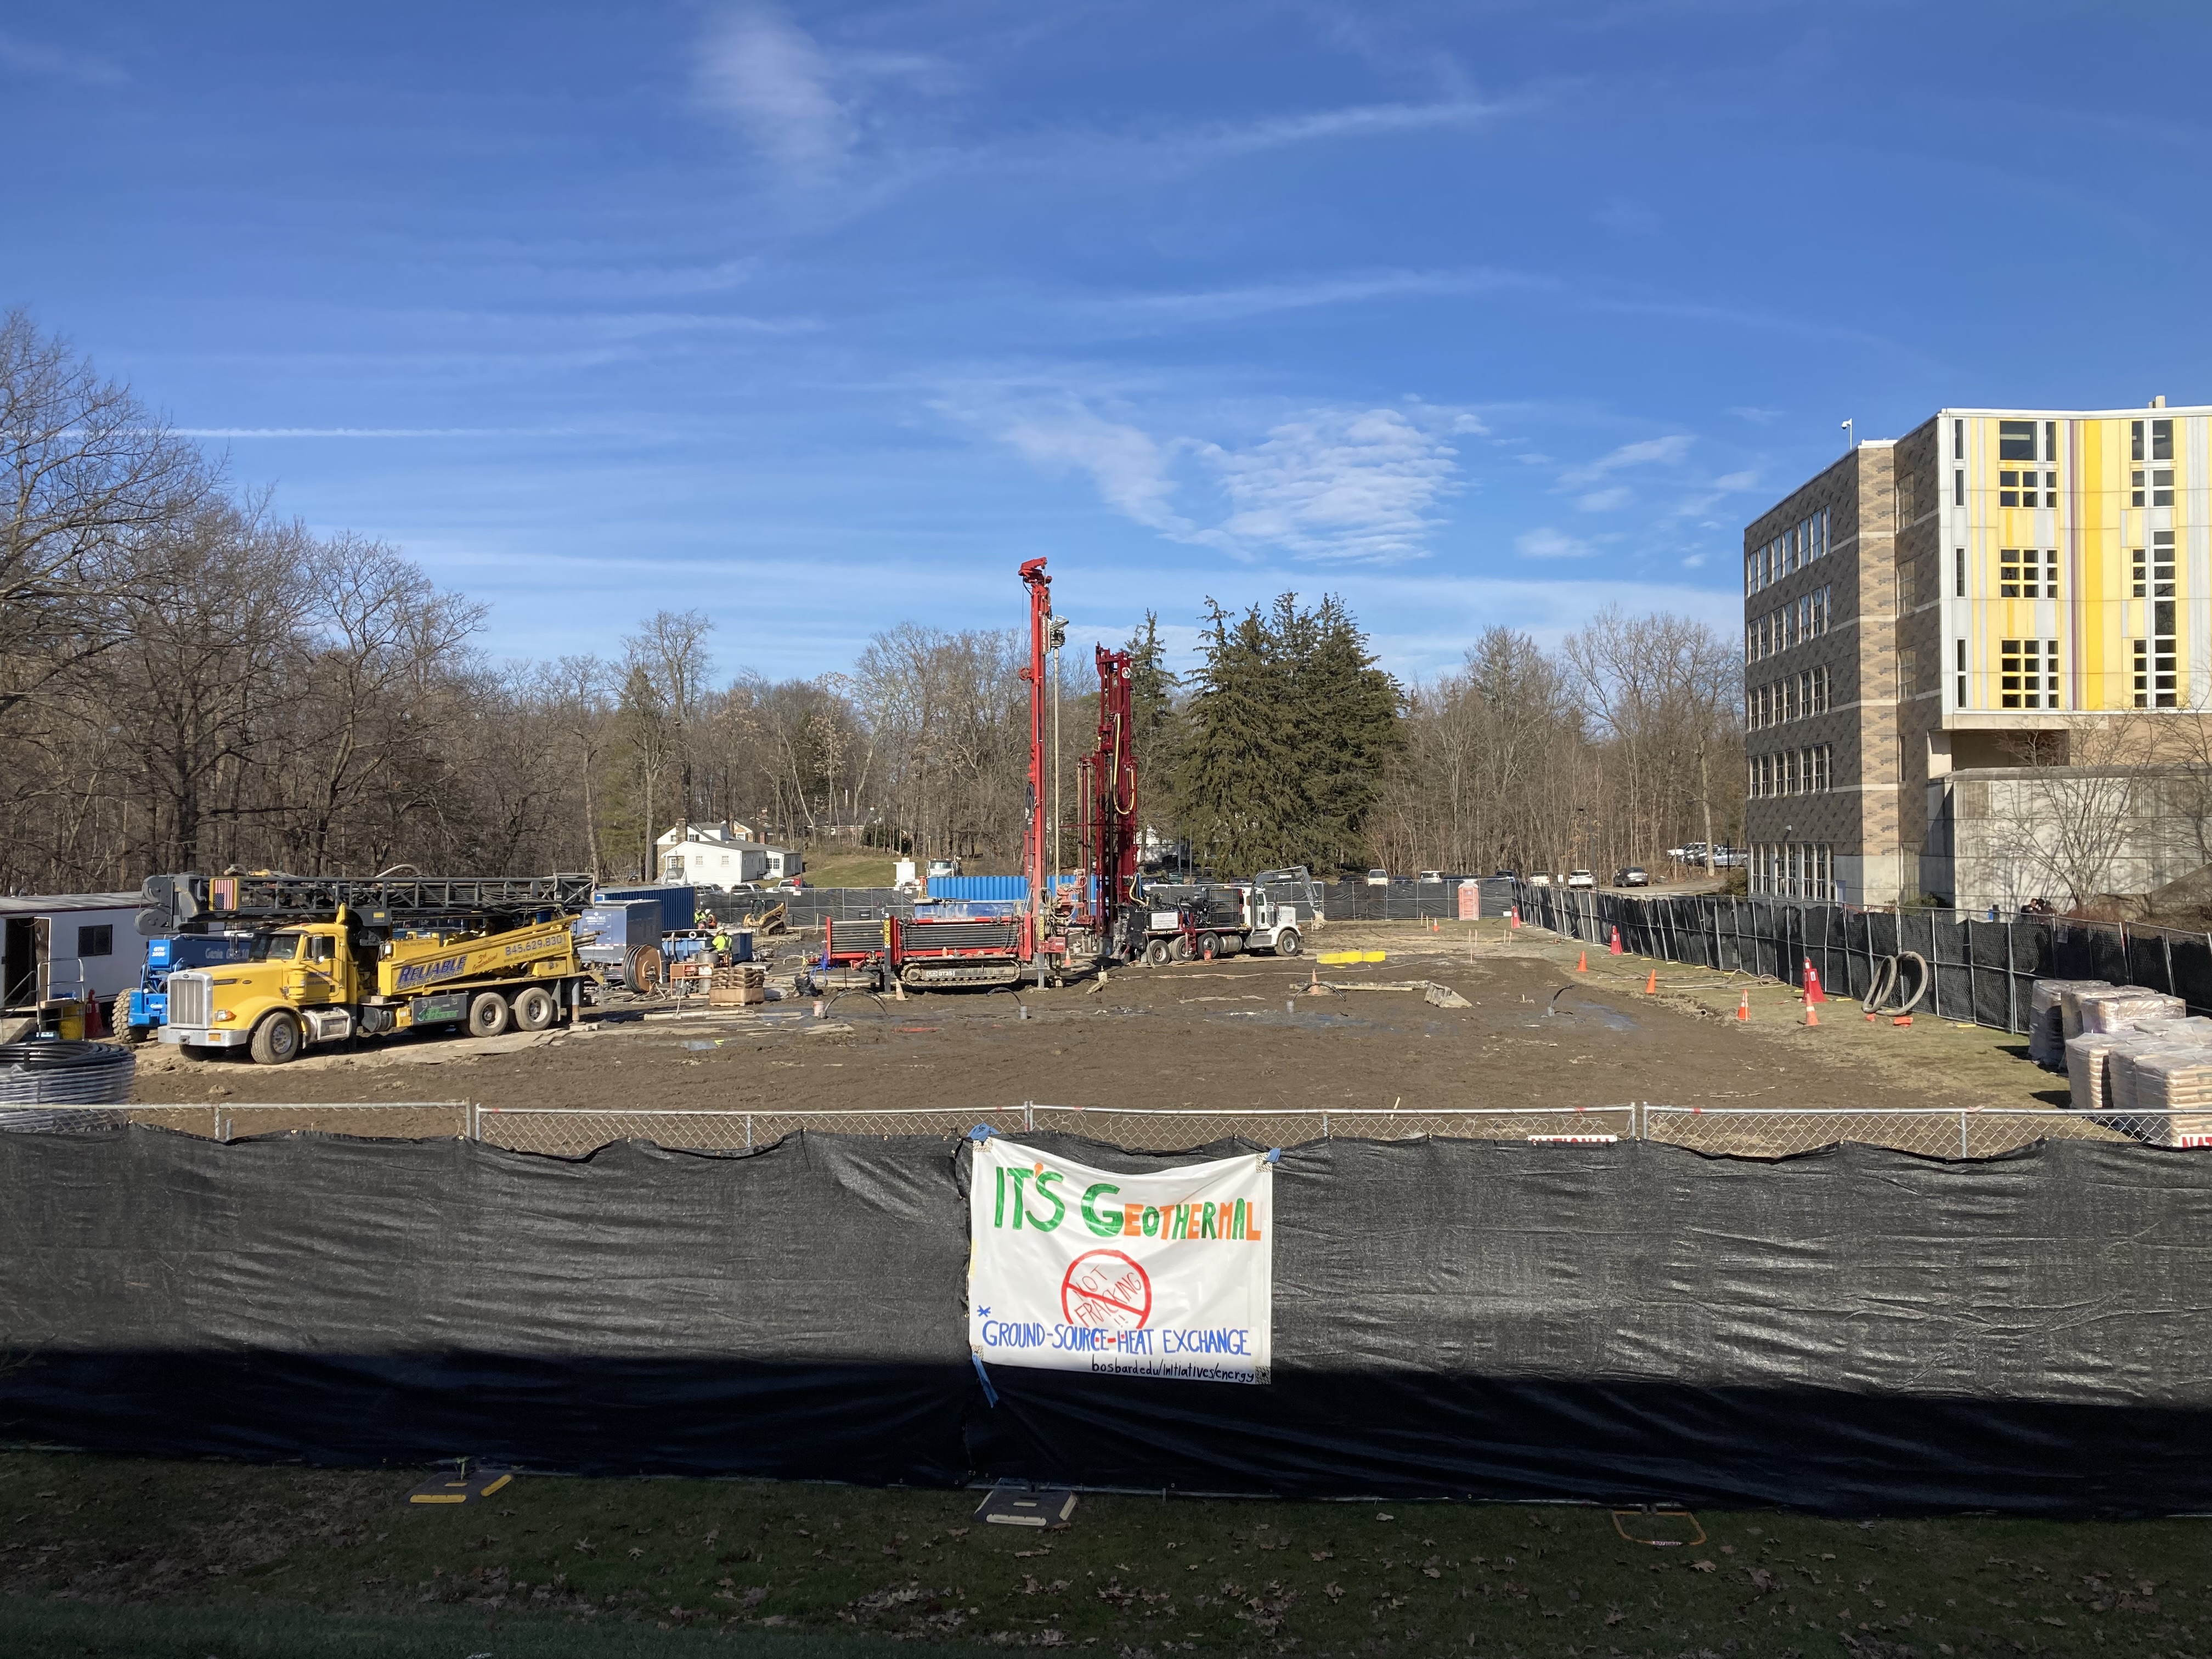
1977 969
572 1131
412 1120
1758 1132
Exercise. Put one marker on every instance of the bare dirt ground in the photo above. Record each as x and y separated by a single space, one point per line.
1232 1035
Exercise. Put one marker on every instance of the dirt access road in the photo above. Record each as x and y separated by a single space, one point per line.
1225 1034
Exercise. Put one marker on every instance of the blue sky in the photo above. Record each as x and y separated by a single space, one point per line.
823 316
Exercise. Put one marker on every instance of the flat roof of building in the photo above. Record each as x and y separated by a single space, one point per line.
41 904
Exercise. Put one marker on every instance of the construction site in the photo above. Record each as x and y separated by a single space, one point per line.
1534 1221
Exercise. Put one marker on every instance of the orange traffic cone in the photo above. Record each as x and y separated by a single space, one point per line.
1743 1008
1811 1015
1616 941
1514 913
1582 963
1813 992
1652 983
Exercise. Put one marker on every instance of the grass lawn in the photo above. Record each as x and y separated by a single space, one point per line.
114 1557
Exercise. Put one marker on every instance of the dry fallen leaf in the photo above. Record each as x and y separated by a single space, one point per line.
1701 1566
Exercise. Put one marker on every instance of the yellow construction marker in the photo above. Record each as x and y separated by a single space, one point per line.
1340 958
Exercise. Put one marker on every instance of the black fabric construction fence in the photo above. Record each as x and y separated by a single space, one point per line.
1981 969
1852 1331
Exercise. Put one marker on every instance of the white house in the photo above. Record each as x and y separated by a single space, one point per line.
721 856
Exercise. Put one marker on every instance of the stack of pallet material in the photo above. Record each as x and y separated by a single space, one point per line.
739 986
2172 1097
2047 1029
2122 1007
2152 1038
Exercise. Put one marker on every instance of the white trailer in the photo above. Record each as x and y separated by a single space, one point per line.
56 945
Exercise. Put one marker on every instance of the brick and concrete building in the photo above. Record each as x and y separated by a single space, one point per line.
1985 595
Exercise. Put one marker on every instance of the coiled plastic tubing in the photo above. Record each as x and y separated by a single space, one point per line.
63 1073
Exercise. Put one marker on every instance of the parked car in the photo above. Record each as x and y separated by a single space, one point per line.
1378 878
943 869
1730 857
1541 878
1581 878
1507 875
1633 875
1430 878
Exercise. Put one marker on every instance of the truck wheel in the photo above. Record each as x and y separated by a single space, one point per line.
488 1014
534 1008
1181 949
1209 946
1157 953
275 1040
1286 942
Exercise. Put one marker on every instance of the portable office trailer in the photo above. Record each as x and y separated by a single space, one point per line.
68 945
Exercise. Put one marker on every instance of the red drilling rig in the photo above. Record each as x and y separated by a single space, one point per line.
1102 922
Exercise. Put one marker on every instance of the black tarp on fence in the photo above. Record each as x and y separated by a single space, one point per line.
1980 969
1849 1331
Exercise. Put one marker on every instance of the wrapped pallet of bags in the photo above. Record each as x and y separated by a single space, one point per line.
2086 1069
2173 1093
2153 1038
2121 1006
2071 992
2047 1019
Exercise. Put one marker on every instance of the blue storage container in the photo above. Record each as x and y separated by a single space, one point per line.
679 906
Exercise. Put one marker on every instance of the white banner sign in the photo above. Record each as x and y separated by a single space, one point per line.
1076 1269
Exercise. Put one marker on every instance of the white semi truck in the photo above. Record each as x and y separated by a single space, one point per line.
1273 911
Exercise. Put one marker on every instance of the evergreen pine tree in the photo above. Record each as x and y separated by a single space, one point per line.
1233 754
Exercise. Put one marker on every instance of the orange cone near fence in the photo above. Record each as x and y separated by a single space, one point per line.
1514 914
1616 941
1811 1015
1813 992
1743 1008
1652 983
1582 963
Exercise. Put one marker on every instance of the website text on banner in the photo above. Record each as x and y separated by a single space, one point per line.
1076 1269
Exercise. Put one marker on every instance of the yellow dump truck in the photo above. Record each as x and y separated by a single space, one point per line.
372 969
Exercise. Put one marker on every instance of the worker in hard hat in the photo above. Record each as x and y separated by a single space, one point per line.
721 947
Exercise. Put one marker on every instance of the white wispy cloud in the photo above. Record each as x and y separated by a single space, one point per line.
356 432
1333 485
1649 452
1349 121
1339 484
764 73
1546 543
1131 469
1606 501
1259 299
58 62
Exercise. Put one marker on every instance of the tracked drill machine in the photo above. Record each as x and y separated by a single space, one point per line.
1049 937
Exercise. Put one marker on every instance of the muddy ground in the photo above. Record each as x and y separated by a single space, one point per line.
1235 1034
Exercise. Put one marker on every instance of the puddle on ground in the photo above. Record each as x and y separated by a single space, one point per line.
1611 1018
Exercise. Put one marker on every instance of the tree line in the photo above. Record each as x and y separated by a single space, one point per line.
191 681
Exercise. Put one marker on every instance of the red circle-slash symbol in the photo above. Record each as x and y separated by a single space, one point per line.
1105 1291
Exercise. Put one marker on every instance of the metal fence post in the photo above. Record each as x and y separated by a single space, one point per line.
1962 1132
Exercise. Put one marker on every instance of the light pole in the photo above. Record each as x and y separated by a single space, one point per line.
1849 440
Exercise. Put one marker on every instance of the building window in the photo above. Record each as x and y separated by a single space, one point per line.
1958 489
2025 573
2155 573
1904 492
2161 442
2160 492
1960 568
1958 440
2027 672
1908 675
96 941
2050 445
2018 490
1962 673
1794 869
2015 440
